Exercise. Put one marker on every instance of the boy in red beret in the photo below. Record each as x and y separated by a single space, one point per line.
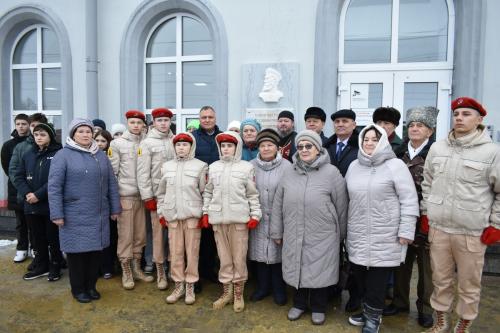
460 212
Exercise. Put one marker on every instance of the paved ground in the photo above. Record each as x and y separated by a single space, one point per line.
42 306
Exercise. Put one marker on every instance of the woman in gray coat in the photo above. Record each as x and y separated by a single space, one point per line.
269 167
383 209
309 217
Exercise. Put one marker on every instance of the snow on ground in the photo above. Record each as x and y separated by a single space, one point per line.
6 242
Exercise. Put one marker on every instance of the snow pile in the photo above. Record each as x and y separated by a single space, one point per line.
6 242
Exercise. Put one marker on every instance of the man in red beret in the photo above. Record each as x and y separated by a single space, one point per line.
123 153
154 151
460 212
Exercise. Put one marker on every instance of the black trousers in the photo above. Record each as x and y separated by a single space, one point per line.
46 239
314 298
109 258
207 264
83 270
23 234
372 284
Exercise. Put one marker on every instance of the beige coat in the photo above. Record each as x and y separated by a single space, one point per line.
461 187
181 186
123 154
155 150
231 195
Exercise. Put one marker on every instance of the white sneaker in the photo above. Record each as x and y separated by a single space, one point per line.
20 256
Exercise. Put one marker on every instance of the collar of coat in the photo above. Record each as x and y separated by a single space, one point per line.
478 137
353 140
303 168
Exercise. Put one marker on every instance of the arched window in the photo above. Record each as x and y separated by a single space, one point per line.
179 70
36 74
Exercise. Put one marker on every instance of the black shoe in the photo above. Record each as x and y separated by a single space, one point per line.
353 304
425 320
82 298
373 319
64 264
197 287
39 271
94 294
280 298
54 272
392 310
259 295
31 266
357 319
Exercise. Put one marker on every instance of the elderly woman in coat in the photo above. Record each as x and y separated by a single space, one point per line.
83 195
249 128
309 217
383 210
269 167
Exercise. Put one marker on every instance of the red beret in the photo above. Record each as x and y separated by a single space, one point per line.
183 137
223 137
161 112
135 114
467 102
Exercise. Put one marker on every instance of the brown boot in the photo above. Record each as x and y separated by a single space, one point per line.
225 298
176 294
190 298
462 326
161 277
239 303
127 278
442 323
138 273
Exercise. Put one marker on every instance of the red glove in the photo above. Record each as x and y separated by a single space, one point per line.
150 204
203 223
163 222
424 224
252 223
490 235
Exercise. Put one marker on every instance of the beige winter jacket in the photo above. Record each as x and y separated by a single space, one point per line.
231 195
123 156
154 151
461 187
181 186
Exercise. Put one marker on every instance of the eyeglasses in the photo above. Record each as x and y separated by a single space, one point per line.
307 146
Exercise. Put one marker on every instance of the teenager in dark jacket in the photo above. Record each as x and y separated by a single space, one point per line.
19 134
31 182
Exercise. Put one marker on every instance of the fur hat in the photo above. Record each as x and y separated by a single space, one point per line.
268 134
310 136
426 115
315 112
387 113
78 122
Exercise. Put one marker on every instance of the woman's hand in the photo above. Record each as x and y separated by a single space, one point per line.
278 241
31 198
405 241
114 217
58 222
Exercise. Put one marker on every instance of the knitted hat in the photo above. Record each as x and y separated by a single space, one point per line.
161 112
182 137
193 123
344 113
315 112
100 123
310 136
47 128
426 115
234 124
77 122
286 114
135 114
252 122
388 113
118 128
268 134
467 102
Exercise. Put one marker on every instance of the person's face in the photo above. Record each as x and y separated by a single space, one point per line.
182 149
249 134
418 132
307 151
285 125
465 121
227 149
388 126
344 127
102 143
267 151
117 135
42 138
162 124
135 125
97 129
22 127
83 136
315 124
370 142
207 119
33 124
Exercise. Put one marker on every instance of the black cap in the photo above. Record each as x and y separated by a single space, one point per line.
387 113
286 114
47 128
315 112
344 113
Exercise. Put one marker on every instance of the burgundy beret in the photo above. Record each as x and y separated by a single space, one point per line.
161 112
182 137
467 102
223 137
135 114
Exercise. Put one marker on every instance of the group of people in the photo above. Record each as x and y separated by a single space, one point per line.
302 208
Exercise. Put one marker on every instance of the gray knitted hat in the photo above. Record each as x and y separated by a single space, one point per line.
311 136
426 115
77 122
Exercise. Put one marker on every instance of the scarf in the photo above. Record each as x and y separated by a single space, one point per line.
93 149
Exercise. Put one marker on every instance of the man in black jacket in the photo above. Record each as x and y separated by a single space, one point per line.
315 119
286 131
19 134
